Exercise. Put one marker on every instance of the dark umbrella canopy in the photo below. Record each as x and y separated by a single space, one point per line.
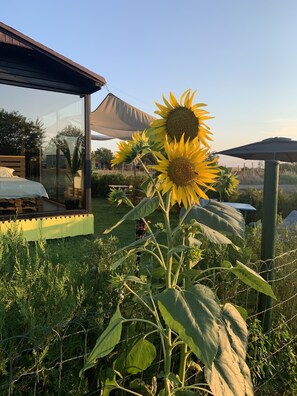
272 149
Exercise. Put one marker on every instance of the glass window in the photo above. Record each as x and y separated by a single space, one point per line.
42 135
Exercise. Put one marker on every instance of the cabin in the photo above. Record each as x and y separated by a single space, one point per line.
45 140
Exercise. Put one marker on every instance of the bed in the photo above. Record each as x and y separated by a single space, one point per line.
17 194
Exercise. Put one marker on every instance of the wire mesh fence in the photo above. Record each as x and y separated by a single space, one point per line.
54 355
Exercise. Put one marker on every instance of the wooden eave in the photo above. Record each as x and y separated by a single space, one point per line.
25 62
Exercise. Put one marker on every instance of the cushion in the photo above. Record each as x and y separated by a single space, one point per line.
6 172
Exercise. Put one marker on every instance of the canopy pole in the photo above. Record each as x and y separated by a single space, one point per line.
270 196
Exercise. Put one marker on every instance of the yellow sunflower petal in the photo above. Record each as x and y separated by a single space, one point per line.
167 103
190 99
182 97
173 100
157 123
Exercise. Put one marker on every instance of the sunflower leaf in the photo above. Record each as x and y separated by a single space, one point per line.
229 374
106 341
214 236
146 207
194 315
252 279
219 217
141 356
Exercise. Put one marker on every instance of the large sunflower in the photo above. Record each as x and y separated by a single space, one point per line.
129 150
181 118
185 171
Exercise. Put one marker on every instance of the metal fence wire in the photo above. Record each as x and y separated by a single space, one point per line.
27 366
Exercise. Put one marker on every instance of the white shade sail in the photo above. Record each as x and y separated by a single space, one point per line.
115 118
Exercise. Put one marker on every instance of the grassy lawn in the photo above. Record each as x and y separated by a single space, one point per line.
106 215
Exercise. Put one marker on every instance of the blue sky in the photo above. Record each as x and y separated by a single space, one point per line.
240 55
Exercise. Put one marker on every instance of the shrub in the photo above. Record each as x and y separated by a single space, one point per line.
272 359
55 298
100 183
286 202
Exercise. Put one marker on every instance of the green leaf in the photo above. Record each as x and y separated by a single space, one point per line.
252 279
229 374
243 312
194 315
226 264
107 340
140 385
135 279
109 381
140 357
146 207
214 236
219 217
179 249
135 243
119 262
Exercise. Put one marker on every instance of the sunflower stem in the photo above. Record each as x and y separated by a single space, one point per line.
168 352
169 240
184 348
183 363
154 184
160 257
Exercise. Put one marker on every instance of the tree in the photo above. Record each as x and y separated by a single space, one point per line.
68 131
104 156
20 136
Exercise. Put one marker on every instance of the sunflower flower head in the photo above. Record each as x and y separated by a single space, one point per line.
185 171
128 151
140 141
124 154
179 119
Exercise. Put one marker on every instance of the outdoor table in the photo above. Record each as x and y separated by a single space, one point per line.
119 186
243 207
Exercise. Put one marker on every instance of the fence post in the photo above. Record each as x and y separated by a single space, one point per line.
270 196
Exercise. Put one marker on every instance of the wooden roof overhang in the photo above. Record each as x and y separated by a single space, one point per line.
27 63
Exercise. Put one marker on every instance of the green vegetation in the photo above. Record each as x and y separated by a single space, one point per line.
56 299
177 314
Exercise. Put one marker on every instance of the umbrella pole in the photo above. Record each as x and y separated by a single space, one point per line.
270 196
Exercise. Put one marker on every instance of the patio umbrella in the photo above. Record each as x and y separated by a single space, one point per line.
277 149
271 151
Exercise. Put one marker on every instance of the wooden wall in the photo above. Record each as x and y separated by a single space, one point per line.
16 162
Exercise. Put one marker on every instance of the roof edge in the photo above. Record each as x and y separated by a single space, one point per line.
51 53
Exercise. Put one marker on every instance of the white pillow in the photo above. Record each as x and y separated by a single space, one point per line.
6 172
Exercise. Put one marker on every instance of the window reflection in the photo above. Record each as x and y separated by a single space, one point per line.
45 130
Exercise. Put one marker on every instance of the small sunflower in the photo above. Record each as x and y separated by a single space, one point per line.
181 118
129 150
124 153
140 140
185 171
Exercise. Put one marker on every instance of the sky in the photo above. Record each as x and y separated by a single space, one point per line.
240 56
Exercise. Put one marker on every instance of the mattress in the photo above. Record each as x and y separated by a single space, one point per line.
17 187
